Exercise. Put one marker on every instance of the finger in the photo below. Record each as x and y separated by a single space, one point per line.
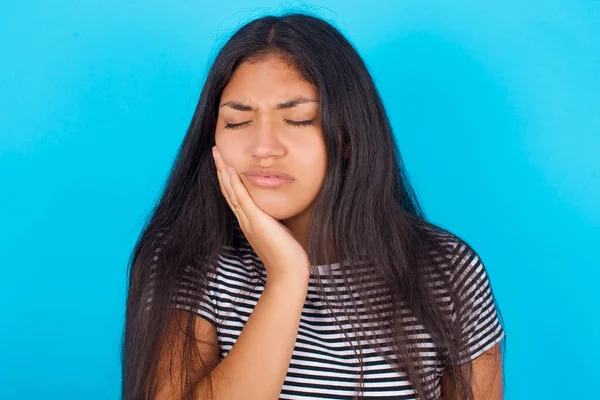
234 184
223 191
223 177
225 173
230 191
243 198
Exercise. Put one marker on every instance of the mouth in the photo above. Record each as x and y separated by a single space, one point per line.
268 181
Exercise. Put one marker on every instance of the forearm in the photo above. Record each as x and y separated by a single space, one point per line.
256 366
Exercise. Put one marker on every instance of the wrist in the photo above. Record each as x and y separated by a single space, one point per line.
289 284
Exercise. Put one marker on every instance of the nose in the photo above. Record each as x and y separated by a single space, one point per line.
266 141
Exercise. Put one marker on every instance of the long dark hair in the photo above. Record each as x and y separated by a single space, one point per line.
366 210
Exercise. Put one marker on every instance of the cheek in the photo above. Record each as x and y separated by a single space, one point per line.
230 150
313 167
317 169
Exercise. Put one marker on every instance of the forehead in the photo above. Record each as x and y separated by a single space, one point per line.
270 79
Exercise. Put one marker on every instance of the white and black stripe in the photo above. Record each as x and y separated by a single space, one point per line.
323 364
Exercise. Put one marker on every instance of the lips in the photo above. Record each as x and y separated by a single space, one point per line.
268 182
268 173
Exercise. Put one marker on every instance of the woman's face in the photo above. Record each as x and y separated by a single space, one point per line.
266 98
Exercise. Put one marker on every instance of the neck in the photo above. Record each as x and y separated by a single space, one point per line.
299 226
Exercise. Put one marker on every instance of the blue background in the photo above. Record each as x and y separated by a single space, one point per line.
496 108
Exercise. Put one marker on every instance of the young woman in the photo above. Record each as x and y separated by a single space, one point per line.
288 256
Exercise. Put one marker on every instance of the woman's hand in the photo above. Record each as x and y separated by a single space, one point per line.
285 260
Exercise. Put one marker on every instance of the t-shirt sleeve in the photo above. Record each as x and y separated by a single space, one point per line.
481 327
187 295
190 299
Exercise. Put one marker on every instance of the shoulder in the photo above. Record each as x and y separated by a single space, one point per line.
454 258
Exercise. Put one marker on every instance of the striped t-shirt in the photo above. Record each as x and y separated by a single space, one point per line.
323 364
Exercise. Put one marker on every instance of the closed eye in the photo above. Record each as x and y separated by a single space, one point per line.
290 122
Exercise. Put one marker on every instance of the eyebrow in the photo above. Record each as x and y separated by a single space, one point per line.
236 105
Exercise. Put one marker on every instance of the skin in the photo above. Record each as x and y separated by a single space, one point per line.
486 378
267 138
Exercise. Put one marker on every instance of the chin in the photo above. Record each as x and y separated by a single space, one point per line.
279 213
277 208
